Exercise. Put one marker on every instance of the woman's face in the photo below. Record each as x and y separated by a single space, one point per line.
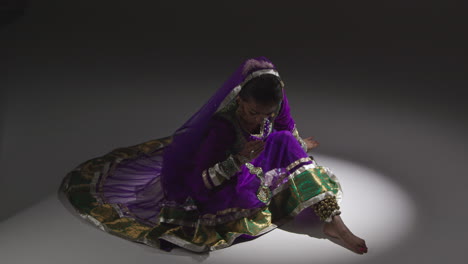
254 113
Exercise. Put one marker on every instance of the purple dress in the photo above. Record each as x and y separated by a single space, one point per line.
184 189
226 137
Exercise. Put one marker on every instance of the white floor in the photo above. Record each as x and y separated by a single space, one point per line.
402 174
50 232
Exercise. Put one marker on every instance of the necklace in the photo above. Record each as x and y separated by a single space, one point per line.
264 130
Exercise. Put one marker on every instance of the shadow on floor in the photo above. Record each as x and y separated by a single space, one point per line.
177 251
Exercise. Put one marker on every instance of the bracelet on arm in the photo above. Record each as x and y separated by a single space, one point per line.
221 172
327 208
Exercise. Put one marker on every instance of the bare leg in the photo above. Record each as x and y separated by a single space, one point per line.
339 230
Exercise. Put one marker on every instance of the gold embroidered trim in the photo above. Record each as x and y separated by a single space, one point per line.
299 139
228 211
254 170
297 162
222 171
263 193
215 175
205 180
232 95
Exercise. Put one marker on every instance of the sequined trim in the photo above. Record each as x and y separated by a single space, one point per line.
299 139
311 202
215 175
293 175
220 217
220 172
297 162
263 192
227 211
265 130
294 194
212 241
205 180
237 89
209 238
258 73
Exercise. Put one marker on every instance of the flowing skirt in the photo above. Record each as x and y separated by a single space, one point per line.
121 193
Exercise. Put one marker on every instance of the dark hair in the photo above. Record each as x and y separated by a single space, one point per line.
264 89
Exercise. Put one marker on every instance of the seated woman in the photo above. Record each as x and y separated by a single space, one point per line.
237 168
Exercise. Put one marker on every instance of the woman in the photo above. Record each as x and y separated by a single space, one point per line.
237 168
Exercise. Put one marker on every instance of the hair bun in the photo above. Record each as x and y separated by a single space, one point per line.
253 64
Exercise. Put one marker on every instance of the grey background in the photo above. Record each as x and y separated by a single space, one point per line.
381 84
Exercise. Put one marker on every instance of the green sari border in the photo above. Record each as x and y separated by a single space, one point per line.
82 190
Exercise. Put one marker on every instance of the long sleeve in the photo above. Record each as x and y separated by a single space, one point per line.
213 165
284 121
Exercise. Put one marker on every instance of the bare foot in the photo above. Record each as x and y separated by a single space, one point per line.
337 229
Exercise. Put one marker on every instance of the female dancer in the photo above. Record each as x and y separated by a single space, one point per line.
236 168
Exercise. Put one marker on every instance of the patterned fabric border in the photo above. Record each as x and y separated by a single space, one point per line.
185 227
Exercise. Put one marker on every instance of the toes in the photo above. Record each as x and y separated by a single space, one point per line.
354 243
363 248
363 245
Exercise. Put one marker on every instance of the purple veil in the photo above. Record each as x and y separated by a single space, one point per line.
177 162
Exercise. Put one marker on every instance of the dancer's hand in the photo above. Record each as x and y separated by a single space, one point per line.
311 143
252 149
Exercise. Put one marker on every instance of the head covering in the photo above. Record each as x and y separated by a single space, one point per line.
187 139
